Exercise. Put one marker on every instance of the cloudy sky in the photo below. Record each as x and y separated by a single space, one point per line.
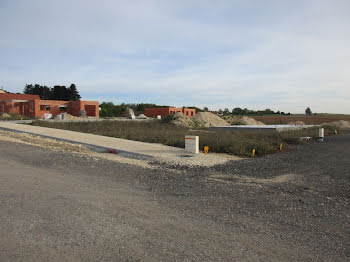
279 54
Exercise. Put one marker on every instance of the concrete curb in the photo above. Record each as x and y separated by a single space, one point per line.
94 148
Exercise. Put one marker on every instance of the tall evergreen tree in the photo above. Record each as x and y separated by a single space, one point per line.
72 93
59 93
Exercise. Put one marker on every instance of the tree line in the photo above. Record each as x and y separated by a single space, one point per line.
246 111
53 93
109 109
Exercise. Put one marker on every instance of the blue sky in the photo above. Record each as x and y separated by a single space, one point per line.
278 54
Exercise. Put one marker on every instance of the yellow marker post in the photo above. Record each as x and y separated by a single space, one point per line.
281 147
253 153
206 150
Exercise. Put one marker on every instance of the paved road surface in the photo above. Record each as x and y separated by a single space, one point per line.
57 206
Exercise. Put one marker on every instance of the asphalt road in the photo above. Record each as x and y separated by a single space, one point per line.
291 206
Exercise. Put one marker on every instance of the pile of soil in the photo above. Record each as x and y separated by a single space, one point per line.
243 120
4 115
142 116
209 119
342 124
66 116
181 119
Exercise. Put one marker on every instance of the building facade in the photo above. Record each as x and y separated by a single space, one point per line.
33 106
164 111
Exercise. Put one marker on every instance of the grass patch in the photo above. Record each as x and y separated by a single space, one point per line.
234 143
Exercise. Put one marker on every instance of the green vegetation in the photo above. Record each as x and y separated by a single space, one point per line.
108 109
56 93
308 111
235 143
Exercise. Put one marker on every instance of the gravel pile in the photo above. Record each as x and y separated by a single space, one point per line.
142 116
66 116
180 119
342 124
209 119
243 120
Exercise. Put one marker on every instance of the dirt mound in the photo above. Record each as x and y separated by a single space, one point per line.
342 124
181 119
142 116
243 120
65 117
209 119
4 115
297 123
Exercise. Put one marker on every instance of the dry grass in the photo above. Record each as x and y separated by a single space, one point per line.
309 120
234 143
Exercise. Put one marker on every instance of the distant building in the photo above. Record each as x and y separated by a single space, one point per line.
164 111
33 106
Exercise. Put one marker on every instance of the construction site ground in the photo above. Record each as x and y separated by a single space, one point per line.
61 202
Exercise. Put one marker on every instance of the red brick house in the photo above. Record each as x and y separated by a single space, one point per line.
164 111
33 106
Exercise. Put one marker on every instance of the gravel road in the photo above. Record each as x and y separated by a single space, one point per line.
65 206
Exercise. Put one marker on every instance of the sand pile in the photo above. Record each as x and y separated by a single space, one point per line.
342 124
4 115
142 116
243 120
209 119
66 117
181 119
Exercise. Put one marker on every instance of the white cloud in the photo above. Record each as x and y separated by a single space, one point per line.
279 54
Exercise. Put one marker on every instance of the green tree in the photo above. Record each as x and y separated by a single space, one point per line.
308 111
226 112
43 91
72 93
59 93
108 109
237 111
205 109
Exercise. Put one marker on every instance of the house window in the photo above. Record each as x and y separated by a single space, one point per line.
44 108
192 113
63 108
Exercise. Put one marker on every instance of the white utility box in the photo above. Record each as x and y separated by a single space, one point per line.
192 144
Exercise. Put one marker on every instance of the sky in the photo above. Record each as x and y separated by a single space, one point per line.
279 54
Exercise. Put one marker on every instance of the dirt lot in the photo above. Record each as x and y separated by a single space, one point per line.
308 120
67 206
